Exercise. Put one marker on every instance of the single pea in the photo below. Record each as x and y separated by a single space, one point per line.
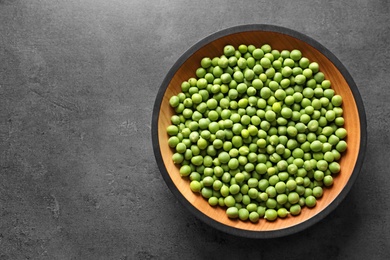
310 201
226 78
304 62
195 186
265 62
285 54
295 209
243 48
341 133
202 143
205 62
223 157
296 55
312 125
172 130
304 118
177 158
277 64
329 157
334 167
234 189
258 53
319 175
338 111
292 131
270 115
317 192
249 74
337 100
316 146
232 212
185 170
270 214
174 101
280 187
287 72
300 79
243 214
291 185
173 141
266 48
288 62
230 201
311 83
197 160
213 201
282 198
271 203
254 217
314 67
328 180
263 196
339 121
341 146
271 191
241 63
327 131
229 50
224 191
270 73
293 197
282 212
181 148
253 182
233 163
208 181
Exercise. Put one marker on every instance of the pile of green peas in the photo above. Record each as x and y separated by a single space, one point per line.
258 131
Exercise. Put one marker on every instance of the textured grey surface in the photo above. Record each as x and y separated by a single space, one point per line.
78 178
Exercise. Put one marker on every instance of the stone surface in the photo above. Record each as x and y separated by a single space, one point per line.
78 178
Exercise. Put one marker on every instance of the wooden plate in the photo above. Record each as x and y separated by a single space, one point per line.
279 38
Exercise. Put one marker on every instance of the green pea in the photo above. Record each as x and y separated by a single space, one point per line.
319 77
334 167
234 189
300 79
295 209
316 146
341 133
337 100
310 201
317 192
172 130
341 146
271 191
185 170
296 55
270 214
261 211
233 163
173 141
282 212
254 217
232 212
174 101
195 186
243 214
177 158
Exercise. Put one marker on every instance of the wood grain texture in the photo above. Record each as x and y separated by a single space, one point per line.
278 41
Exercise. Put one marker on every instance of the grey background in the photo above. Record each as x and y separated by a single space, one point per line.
78 79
